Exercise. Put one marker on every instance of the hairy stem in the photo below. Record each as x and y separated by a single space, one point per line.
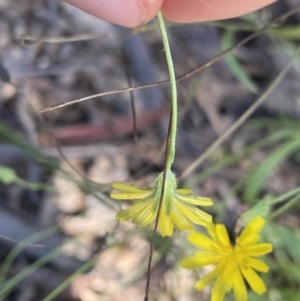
171 139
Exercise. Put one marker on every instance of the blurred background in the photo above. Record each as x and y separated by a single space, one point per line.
59 239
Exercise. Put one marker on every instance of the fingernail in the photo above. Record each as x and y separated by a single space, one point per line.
127 13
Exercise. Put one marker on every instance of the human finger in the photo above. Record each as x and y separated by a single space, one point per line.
188 11
128 13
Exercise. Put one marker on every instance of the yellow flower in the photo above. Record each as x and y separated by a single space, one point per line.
177 208
233 264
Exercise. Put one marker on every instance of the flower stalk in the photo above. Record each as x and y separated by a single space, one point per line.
171 143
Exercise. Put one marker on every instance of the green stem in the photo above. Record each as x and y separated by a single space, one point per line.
172 135
171 140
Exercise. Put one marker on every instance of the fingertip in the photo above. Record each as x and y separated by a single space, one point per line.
152 7
127 13
206 10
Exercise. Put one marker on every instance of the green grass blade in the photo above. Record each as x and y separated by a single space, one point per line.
10 284
23 245
257 179
68 281
285 196
262 208
286 207
228 160
9 136
287 32
234 65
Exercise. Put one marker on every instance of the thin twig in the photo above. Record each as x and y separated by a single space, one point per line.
277 21
21 243
32 41
72 102
158 212
132 102
241 120
56 40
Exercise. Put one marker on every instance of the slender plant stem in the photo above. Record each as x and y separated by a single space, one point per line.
171 140
132 102
172 137
157 219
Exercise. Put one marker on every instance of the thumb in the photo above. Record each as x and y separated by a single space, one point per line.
128 13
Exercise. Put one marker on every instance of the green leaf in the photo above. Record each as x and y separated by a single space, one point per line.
7 175
288 32
291 239
262 208
291 271
234 65
286 242
289 293
257 179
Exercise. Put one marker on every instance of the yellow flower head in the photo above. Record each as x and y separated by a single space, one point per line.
232 263
178 207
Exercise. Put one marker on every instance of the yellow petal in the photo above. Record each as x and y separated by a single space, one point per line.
225 280
252 228
200 259
227 274
195 215
218 292
258 249
194 200
254 281
165 224
248 241
201 241
219 289
211 229
180 220
222 235
129 188
208 278
256 264
134 210
145 217
239 287
129 196
184 191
